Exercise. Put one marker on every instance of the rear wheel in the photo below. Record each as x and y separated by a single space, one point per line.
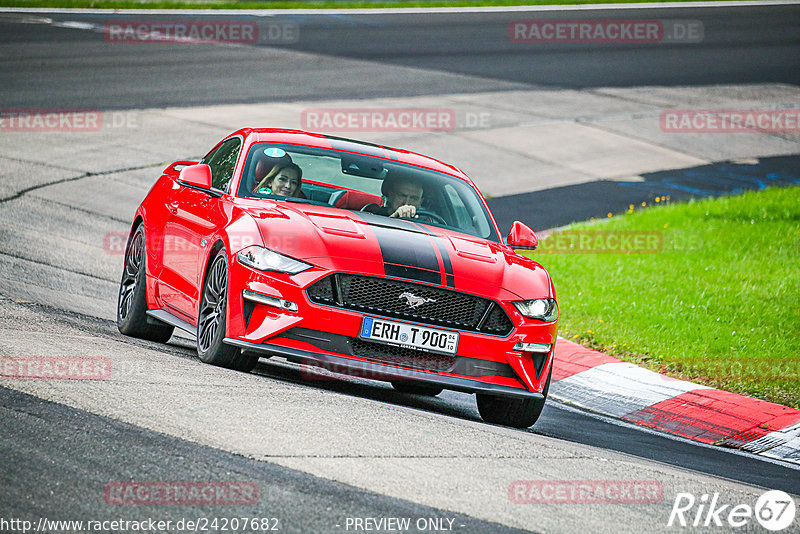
212 319
132 317
518 413
416 389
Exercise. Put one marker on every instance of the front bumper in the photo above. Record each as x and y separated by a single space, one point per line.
376 371
269 329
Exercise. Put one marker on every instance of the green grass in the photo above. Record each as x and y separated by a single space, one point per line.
289 4
719 304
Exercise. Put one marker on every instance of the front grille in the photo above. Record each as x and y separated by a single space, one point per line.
402 356
390 298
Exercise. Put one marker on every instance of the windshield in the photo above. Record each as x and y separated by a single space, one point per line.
363 183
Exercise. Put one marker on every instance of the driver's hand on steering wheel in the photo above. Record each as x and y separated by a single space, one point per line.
406 211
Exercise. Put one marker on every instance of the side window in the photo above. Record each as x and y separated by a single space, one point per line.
222 161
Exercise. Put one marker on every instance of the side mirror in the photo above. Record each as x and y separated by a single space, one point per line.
196 175
521 236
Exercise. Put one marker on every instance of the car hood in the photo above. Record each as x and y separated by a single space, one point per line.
364 243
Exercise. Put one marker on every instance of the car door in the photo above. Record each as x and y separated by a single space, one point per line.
193 220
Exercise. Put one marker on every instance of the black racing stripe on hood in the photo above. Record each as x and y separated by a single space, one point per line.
407 252
412 273
375 220
408 255
447 264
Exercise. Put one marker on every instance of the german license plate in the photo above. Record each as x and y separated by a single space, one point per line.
409 335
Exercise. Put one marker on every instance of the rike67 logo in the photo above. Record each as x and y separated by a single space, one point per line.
774 510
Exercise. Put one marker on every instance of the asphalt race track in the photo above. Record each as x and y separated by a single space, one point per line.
448 52
322 451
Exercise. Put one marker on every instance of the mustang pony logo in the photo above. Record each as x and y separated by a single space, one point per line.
413 300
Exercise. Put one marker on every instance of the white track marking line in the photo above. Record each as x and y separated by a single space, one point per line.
409 10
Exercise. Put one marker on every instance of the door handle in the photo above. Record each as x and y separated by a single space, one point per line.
173 208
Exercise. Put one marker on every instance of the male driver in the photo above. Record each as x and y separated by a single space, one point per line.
403 198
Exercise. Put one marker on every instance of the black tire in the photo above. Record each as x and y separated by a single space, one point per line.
212 320
132 319
416 389
506 411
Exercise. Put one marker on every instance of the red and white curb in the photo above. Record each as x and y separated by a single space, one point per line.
607 385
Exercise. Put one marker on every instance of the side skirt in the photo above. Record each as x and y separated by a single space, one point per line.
166 317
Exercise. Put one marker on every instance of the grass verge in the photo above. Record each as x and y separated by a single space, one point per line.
709 291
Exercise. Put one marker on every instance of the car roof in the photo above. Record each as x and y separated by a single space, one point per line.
300 137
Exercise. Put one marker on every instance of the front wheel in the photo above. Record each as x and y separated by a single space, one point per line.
211 321
132 317
517 413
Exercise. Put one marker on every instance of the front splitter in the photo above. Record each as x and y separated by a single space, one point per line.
377 371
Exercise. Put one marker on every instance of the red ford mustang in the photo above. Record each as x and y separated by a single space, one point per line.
358 258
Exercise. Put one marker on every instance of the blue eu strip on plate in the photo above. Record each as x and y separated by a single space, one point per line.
366 328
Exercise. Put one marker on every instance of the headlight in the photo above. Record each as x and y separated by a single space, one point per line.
544 309
265 259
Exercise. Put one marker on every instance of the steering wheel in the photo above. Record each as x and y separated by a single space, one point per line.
433 217
369 208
